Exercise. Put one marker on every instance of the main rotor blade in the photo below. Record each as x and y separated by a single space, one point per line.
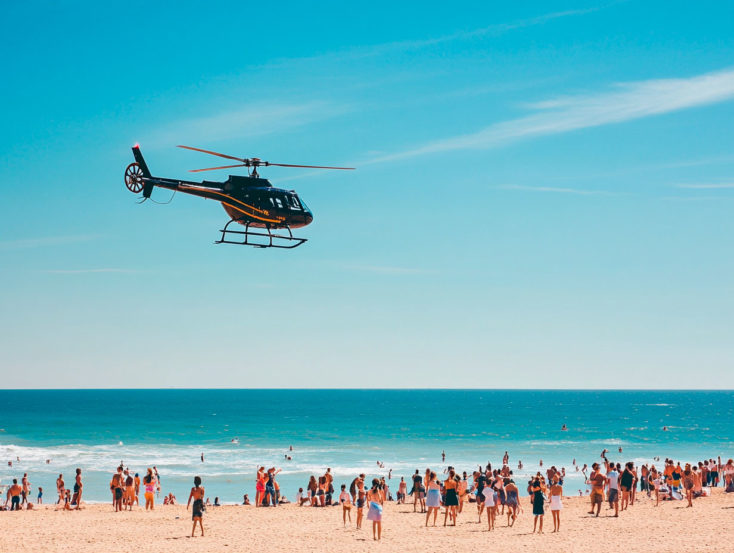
215 168
211 153
309 166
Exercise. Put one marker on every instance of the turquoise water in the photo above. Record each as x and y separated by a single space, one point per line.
347 430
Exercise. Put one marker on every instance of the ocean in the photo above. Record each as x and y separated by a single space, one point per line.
350 431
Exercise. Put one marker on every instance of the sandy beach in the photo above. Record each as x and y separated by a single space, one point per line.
670 527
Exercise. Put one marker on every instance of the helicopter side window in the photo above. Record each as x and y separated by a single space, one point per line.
294 202
279 203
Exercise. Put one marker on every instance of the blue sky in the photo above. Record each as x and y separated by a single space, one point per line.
543 198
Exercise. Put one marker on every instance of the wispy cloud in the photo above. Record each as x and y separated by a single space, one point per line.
255 119
625 102
386 270
45 241
554 189
706 186
496 29
88 271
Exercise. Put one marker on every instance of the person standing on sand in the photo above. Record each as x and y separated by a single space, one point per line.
452 497
117 485
613 486
419 493
627 482
538 505
149 490
597 481
25 488
78 489
556 493
375 498
60 489
402 490
197 511
433 497
13 496
346 502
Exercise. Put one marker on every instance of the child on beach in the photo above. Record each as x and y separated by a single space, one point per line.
39 499
346 502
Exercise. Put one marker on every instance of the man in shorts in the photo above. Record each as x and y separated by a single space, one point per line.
613 485
14 492
597 481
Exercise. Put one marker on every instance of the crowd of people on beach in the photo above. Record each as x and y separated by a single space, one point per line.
494 492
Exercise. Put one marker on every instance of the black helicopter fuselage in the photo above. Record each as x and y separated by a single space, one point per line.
248 200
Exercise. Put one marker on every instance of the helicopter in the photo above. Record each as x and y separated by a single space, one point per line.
250 201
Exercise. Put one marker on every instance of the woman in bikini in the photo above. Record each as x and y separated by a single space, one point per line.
375 499
61 488
197 512
511 492
149 487
259 487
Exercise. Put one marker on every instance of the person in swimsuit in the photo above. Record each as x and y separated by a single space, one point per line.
688 483
361 495
197 511
117 485
375 499
556 492
346 502
60 488
626 483
511 494
149 489
452 497
39 499
433 497
597 481
259 487
78 489
14 492
419 494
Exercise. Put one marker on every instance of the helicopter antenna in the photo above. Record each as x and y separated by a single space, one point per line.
253 163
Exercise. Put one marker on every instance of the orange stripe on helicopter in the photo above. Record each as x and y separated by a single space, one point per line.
278 220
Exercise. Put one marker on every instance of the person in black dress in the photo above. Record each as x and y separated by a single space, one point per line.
538 507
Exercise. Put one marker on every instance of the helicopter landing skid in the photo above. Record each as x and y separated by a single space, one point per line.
261 239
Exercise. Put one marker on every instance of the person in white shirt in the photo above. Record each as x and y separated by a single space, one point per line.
613 483
346 500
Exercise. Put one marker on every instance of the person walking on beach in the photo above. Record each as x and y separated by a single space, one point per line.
512 500
60 489
597 481
375 498
78 489
556 493
197 511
